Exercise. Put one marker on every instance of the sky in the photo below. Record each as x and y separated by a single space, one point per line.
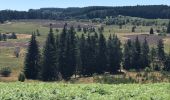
35 4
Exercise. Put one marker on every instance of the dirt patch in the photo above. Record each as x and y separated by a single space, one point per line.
23 36
13 44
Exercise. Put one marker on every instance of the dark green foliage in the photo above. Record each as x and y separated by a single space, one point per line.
101 29
37 32
5 71
102 57
83 56
50 69
133 28
32 59
160 48
127 58
151 31
90 56
13 36
167 63
4 37
114 54
148 11
79 28
145 61
85 29
70 55
21 77
136 53
168 28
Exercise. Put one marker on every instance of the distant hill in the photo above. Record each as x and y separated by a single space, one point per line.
143 11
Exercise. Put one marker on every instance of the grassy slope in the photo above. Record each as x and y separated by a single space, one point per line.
27 27
55 91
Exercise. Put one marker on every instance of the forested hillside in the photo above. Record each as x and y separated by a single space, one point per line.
149 11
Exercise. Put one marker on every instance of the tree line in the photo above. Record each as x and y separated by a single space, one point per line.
147 11
68 54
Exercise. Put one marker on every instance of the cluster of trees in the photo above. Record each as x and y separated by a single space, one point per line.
160 11
67 54
4 37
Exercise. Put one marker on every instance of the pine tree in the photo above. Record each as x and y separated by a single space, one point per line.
90 56
79 28
168 28
145 55
127 62
62 50
83 55
102 57
160 48
151 31
114 54
70 52
167 63
136 50
32 60
50 62
94 52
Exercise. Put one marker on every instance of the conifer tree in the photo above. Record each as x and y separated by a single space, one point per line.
50 65
167 63
160 48
32 60
127 58
114 54
71 52
102 57
90 56
145 55
136 50
151 31
62 50
83 55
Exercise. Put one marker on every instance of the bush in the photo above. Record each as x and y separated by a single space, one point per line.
6 71
21 77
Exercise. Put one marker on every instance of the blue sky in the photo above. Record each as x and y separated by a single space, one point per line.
27 4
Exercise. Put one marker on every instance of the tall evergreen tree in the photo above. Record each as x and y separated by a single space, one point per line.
168 28
151 31
127 58
102 57
114 54
71 52
167 63
90 56
160 48
62 50
136 60
32 60
50 66
83 55
145 55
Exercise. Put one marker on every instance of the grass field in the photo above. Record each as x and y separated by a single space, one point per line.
21 27
60 91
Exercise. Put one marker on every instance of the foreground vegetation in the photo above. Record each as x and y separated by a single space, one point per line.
53 91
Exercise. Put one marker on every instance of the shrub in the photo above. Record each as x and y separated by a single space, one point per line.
21 77
6 71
